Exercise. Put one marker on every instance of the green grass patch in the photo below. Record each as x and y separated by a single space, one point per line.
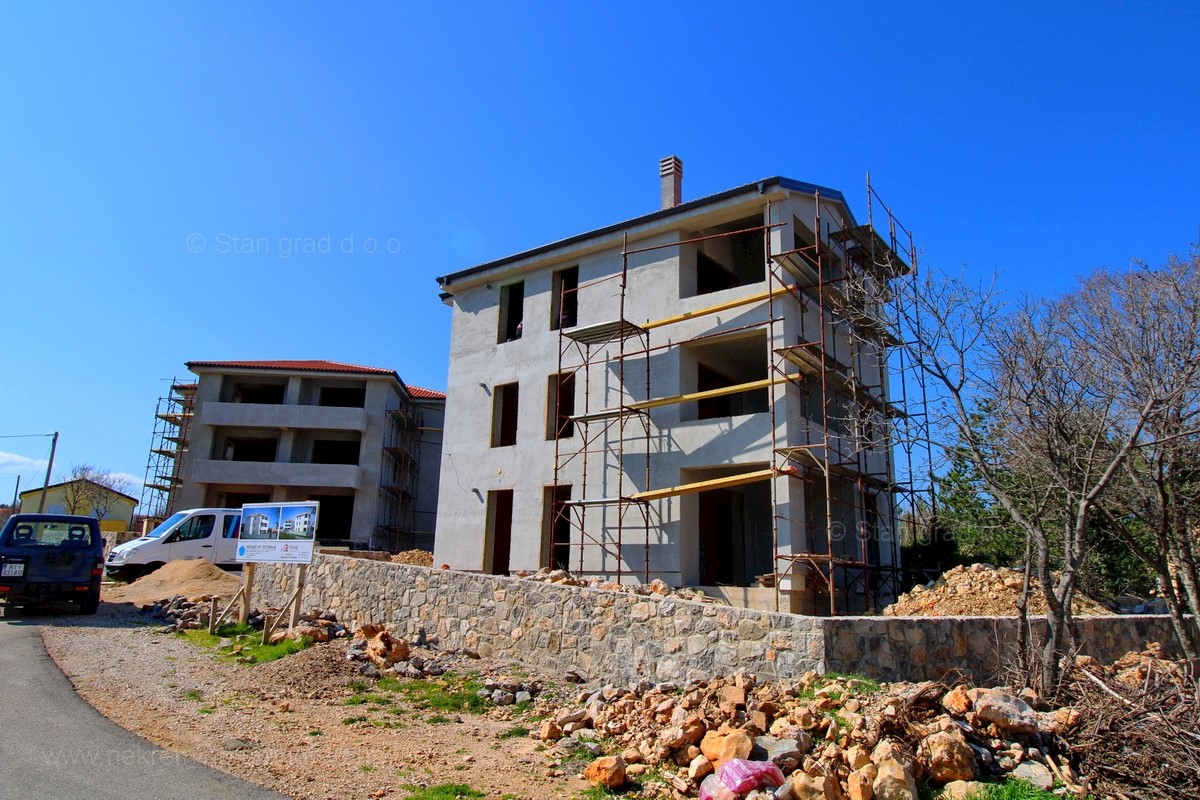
387 685
444 791
356 700
359 686
438 719
246 644
515 732
352 720
194 694
1013 790
447 693
316 732
207 710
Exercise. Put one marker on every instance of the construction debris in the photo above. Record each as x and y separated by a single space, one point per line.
190 578
561 577
979 590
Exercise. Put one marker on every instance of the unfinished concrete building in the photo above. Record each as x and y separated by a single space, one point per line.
357 439
699 395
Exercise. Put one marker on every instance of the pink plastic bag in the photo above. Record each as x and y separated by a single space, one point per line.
741 776
712 789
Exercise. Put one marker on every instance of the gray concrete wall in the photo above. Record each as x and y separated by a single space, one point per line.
615 637
660 283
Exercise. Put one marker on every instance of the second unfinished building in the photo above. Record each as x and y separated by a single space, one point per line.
699 395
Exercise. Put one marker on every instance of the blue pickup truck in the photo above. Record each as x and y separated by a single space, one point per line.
46 558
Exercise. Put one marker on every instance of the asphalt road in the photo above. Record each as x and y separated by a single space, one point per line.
54 746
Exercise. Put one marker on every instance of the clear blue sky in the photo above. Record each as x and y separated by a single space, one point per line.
137 140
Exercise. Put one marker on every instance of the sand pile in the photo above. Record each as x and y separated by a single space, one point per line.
189 578
419 558
978 590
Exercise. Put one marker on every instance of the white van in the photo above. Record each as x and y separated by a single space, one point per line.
210 533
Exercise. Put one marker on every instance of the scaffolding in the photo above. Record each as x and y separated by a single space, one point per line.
607 489
846 413
396 526
168 446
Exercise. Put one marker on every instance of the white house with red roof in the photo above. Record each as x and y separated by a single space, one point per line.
357 439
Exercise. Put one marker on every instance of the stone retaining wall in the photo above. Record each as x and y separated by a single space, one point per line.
618 637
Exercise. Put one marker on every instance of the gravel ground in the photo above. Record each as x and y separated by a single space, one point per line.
284 724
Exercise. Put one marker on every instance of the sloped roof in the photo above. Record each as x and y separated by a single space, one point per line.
758 187
40 489
293 366
421 393
416 392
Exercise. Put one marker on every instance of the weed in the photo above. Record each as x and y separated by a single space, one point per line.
365 768
356 700
207 710
194 694
246 645
359 686
515 732
450 693
316 732
352 720
438 719
385 685
1013 790
444 791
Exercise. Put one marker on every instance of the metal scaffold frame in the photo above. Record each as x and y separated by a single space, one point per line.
399 476
856 467
601 435
168 444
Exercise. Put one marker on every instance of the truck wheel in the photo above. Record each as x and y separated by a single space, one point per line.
91 603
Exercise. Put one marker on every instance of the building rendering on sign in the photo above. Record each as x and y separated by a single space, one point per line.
699 395
355 438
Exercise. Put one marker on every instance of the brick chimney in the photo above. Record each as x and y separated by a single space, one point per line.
670 171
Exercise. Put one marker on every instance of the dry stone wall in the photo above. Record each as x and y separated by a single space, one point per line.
618 637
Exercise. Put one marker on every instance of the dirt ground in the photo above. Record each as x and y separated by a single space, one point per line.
286 725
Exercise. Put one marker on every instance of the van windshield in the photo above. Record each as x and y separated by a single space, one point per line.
167 524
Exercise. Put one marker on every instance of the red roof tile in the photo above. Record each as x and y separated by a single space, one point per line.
299 366
416 392
425 394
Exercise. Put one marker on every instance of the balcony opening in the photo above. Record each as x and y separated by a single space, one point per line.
557 524
560 406
343 396
332 451
719 364
259 393
504 415
728 261
250 449
564 299
512 312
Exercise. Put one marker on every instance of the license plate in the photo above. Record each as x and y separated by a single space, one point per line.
12 570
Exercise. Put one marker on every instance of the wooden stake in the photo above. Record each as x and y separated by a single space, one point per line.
301 573
247 583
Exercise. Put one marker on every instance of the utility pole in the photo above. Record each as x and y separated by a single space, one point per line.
49 469
16 494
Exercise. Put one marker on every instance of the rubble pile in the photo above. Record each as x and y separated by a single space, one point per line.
183 613
832 739
979 590
561 577
418 558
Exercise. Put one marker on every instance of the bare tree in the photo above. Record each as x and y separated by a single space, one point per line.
108 487
1066 416
78 491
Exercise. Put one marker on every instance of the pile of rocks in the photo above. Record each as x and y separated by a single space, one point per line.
192 613
832 739
978 590
561 577
182 613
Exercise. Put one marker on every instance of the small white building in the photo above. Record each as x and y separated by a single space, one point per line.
697 395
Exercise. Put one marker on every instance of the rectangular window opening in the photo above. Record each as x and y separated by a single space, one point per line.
564 299
343 396
264 394
720 364
512 312
729 260
560 406
504 415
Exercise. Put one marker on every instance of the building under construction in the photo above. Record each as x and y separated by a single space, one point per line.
168 444
709 395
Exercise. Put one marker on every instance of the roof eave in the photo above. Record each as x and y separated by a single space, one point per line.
648 222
